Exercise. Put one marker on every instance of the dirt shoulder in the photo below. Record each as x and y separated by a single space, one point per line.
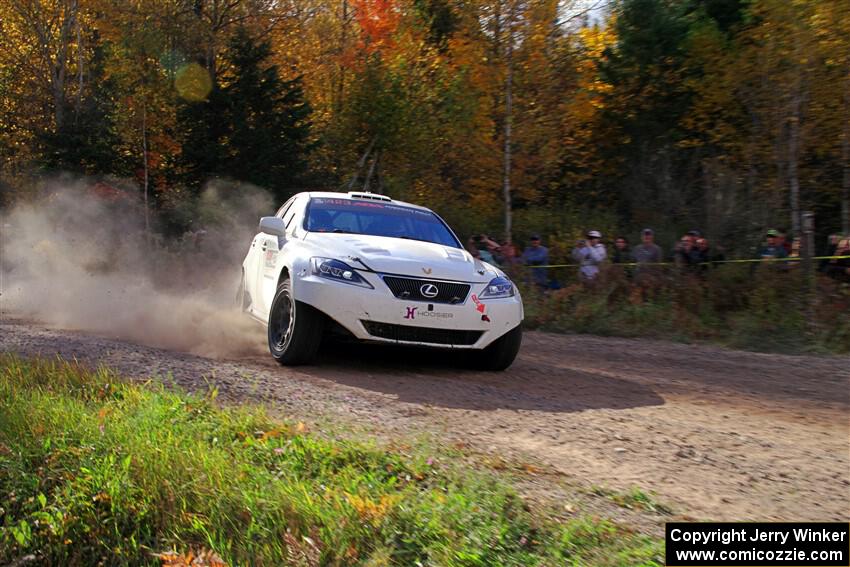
714 433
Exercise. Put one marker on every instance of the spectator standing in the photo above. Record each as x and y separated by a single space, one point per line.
702 254
648 255
782 240
839 269
796 247
648 252
685 254
486 248
693 235
472 248
831 246
589 254
537 255
485 255
772 248
621 253
507 256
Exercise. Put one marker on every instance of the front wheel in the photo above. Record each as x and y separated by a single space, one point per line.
500 353
295 328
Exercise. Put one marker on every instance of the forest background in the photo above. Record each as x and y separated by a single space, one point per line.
726 115
508 117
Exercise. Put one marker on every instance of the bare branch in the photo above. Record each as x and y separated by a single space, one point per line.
582 13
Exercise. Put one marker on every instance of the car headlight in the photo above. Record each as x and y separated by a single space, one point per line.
498 287
338 271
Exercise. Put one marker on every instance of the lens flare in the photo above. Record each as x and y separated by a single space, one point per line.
193 83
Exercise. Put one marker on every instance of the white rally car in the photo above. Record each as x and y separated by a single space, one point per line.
381 269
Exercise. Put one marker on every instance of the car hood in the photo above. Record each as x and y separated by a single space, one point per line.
403 257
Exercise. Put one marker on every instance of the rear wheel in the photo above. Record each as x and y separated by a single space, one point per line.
500 353
295 328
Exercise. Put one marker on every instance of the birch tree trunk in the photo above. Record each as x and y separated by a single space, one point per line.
53 50
845 158
79 68
146 173
58 77
793 159
340 87
509 78
794 120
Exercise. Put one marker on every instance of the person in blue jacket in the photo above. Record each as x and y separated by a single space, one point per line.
537 255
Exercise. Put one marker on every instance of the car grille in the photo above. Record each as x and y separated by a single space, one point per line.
421 334
411 290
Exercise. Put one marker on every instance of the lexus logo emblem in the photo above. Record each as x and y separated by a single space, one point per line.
429 290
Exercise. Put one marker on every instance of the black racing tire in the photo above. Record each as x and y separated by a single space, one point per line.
499 354
295 328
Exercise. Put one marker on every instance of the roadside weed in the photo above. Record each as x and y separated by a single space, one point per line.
94 469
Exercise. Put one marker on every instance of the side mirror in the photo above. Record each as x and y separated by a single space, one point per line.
273 225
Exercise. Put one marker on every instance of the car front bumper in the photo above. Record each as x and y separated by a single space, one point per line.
377 315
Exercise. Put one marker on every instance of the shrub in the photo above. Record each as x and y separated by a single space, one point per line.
742 305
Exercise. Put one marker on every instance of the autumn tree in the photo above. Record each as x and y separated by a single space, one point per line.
767 114
87 141
506 115
831 99
645 107
40 54
253 127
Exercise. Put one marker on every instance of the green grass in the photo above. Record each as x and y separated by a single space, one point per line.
633 499
97 470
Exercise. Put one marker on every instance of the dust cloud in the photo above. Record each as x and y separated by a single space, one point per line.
79 258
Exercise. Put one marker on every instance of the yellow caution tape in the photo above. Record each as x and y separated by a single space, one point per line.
745 261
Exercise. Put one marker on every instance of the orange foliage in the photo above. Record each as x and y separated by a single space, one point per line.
203 558
378 21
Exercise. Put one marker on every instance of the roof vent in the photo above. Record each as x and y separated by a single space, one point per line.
371 196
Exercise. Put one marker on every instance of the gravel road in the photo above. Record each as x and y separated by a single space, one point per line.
715 433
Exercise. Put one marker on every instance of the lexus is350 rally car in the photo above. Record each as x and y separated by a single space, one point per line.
385 271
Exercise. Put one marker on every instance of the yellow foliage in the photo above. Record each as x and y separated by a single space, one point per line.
371 511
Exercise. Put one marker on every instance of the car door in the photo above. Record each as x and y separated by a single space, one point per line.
250 271
270 248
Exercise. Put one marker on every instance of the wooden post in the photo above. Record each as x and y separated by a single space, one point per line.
807 250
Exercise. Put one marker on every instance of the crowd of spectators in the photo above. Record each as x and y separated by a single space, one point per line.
692 253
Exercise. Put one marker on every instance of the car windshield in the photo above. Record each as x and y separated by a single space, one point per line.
377 219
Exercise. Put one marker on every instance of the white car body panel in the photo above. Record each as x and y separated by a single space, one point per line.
373 258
